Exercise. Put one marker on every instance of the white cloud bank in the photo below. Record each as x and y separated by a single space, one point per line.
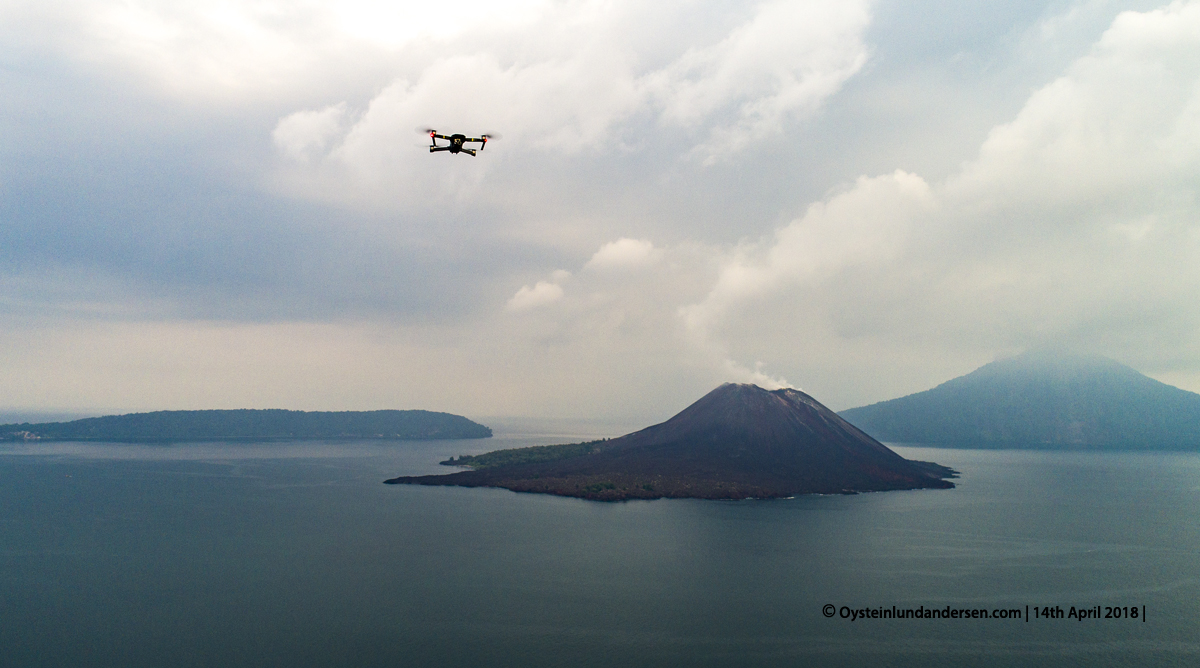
308 134
1075 223
238 49
1078 224
785 61
581 78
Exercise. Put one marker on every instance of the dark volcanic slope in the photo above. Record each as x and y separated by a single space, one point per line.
738 441
251 425
1044 400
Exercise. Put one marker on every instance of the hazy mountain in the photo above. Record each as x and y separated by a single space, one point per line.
1042 400
738 441
251 425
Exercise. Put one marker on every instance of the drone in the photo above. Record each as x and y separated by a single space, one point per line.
456 142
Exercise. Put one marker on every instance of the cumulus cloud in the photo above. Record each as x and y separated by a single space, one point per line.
869 223
785 61
1072 221
624 253
1123 119
305 134
1075 224
591 90
541 294
239 48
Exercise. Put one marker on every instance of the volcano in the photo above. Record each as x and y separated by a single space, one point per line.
1043 399
736 442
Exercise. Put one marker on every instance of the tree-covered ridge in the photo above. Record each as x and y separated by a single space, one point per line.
531 455
1043 399
252 425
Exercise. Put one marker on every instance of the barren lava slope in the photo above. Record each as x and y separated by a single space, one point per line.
738 441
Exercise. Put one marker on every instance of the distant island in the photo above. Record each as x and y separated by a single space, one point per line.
251 425
1043 400
736 442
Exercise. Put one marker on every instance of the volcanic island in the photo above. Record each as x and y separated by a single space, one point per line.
739 441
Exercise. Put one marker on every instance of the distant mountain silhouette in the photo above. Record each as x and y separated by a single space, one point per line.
1043 399
738 441
251 425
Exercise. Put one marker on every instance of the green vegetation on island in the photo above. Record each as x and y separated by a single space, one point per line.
251 425
532 455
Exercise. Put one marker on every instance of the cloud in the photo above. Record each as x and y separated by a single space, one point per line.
305 134
1075 224
624 253
868 223
582 85
541 294
1123 121
237 49
251 168
611 311
784 62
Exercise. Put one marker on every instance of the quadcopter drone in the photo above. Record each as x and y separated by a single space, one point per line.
456 142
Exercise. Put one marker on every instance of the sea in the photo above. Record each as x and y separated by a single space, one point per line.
296 554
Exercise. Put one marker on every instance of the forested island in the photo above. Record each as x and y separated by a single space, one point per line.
736 442
251 425
1042 400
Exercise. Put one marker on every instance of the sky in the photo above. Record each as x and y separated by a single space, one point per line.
229 204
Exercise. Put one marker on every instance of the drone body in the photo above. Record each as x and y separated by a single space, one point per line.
457 142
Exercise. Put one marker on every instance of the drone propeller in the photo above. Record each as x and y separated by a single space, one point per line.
485 137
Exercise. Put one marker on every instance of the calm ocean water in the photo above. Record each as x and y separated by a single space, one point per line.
297 555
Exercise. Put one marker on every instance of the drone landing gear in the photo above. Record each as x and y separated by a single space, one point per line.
468 151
